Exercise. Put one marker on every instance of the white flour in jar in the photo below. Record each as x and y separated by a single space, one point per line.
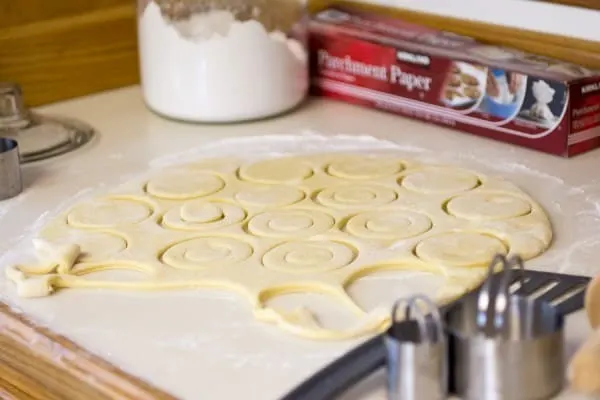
213 68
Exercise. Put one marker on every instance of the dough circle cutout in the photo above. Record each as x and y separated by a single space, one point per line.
361 167
392 225
356 196
488 206
108 212
438 180
203 215
290 223
277 170
184 185
207 252
460 249
269 196
308 256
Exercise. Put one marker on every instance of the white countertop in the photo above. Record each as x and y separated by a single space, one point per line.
199 344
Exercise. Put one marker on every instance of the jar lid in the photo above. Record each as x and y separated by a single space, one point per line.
39 137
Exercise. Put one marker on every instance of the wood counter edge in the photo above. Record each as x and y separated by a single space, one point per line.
70 362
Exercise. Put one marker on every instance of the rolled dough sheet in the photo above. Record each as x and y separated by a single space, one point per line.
206 343
302 224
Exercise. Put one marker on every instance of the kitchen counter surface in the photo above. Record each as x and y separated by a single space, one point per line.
198 344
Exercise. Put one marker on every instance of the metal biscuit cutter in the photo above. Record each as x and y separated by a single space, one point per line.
550 296
503 345
417 363
11 183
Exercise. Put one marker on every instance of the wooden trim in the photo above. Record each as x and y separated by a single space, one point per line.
72 56
591 4
86 52
23 12
38 364
578 51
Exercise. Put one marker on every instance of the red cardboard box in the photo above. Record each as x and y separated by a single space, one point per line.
455 81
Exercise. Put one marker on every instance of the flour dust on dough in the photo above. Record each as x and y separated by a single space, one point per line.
294 224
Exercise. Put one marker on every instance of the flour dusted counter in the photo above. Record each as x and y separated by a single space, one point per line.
205 343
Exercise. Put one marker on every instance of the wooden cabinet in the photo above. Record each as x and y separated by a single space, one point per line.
62 49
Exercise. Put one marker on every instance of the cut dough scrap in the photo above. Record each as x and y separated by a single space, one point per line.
361 167
394 225
482 206
356 196
108 212
462 249
207 252
269 196
36 286
63 257
180 185
440 180
290 224
278 170
308 257
36 281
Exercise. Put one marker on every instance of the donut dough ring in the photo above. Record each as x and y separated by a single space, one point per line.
269 227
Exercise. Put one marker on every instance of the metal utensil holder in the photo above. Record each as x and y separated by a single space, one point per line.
416 350
504 346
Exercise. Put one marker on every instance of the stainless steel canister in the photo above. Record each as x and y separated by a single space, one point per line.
504 346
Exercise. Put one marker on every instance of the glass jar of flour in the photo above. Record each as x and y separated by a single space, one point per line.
222 60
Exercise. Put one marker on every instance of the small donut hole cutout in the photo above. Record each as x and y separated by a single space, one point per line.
289 223
310 308
309 256
268 196
437 180
201 215
183 185
460 249
486 206
354 196
282 170
381 285
363 167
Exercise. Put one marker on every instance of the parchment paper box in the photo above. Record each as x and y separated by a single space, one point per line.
451 80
